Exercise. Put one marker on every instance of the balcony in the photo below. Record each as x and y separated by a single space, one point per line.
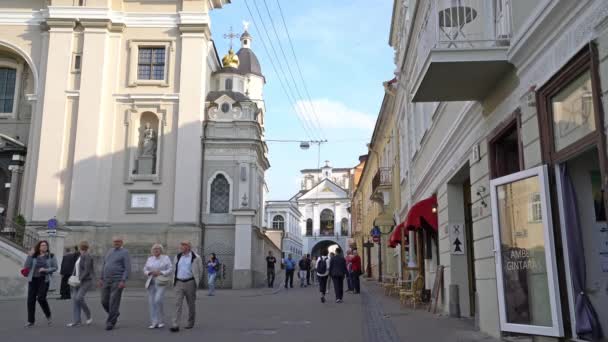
382 184
462 49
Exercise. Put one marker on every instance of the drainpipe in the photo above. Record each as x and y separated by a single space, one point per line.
202 193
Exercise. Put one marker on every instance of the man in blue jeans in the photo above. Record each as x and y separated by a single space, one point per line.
290 267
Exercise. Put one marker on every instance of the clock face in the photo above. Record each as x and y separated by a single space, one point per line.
225 107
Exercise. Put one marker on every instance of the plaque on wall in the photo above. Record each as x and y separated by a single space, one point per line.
143 200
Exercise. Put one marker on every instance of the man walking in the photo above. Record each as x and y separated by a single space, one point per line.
349 274
114 274
67 268
308 269
337 271
322 269
302 265
270 264
188 271
290 267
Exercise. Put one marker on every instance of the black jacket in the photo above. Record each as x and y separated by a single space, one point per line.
337 266
68 262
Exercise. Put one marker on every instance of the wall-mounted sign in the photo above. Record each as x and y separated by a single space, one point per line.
457 240
145 200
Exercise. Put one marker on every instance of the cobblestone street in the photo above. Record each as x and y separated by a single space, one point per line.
252 315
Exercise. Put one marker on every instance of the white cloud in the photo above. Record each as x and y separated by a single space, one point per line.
334 115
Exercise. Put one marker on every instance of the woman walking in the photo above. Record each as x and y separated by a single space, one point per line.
158 269
322 269
213 266
39 266
80 283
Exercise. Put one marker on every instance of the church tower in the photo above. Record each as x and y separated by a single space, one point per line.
235 160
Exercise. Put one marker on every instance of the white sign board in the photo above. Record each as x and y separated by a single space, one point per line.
457 241
143 200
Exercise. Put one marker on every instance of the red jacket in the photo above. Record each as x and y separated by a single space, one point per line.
356 262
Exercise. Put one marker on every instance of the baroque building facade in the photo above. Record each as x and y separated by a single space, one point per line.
124 120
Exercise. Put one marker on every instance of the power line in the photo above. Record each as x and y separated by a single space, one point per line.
286 87
298 65
312 115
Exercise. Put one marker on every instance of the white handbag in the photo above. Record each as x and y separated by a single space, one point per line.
74 281
162 280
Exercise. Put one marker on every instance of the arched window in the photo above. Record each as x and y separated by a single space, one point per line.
220 195
327 222
8 81
309 227
344 227
278 222
228 84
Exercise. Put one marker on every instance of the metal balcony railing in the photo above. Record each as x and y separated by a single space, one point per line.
462 24
383 177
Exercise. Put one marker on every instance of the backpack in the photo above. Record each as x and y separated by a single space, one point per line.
322 266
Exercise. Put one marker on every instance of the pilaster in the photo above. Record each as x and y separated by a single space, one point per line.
243 239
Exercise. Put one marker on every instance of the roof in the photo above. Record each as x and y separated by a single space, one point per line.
238 97
248 62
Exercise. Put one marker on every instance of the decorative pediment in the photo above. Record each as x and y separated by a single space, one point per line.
10 144
326 189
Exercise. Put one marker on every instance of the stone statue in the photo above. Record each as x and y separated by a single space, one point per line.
148 148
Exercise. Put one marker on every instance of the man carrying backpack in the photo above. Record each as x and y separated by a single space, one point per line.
322 268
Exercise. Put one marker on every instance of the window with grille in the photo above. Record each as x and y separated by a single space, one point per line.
151 63
535 208
8 79
309 227
220 195
327 222
278 222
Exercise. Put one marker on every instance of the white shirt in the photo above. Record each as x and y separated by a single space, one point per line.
184 267
161 264
77 268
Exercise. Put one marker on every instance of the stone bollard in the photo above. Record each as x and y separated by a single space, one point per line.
454 301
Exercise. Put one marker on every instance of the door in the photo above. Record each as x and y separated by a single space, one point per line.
526 271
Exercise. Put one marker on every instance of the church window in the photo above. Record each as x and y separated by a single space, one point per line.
220 195
8 80
309 227
327 222
344 227
225 107
151 63
278 222
228 84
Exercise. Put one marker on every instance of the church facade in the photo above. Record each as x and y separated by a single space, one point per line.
118 117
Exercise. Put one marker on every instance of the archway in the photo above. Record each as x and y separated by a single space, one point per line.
330 245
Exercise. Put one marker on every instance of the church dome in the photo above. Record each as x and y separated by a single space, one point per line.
249 63
231 60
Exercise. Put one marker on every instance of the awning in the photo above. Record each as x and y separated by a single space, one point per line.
422 214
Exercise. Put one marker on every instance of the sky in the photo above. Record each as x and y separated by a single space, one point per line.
342 50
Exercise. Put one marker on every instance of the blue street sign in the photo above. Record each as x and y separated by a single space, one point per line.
51 225
376 231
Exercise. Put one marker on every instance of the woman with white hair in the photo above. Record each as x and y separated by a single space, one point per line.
158 269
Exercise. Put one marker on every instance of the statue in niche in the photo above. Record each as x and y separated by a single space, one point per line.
148 148
146 161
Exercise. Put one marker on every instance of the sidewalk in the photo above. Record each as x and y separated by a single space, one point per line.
413 325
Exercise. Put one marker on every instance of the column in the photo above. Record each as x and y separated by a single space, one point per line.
242 275
192 90
90 131
52 154
316 220
12 209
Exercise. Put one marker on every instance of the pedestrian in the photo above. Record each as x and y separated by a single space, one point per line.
188 271
158 270
313 271
331 255
356 271
114 274
67 268
270 265
308 268
322 269
82 281
337 271
290 267
349 279
39 266
303 265
213 266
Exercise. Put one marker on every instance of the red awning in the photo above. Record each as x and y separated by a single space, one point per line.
421 211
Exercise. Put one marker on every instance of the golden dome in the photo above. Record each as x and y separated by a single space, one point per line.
231 60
